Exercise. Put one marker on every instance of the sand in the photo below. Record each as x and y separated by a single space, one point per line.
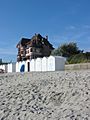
45 96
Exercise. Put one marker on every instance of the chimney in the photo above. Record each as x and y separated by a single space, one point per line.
47 37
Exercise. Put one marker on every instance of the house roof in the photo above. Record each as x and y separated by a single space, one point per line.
36 41
23 41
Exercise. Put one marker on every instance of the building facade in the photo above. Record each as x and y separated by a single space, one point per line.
35 47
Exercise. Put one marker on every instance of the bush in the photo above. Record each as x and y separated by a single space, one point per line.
79 58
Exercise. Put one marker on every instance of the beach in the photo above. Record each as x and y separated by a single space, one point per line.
61 95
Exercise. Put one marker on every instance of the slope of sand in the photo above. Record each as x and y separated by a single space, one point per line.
45 96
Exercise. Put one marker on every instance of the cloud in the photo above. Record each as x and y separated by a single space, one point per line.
88 38
79 34
86 26
71 27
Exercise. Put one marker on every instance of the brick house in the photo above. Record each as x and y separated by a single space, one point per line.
37 46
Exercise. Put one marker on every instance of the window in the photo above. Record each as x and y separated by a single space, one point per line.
31 50
21 52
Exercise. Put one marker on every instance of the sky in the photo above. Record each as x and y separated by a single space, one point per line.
63 21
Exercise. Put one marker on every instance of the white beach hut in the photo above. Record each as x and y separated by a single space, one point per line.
39 64
27 66
2 67
44 64
6 68
33 65
56 63
11 67
17 66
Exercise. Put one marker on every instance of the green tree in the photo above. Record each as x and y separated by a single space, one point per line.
67 50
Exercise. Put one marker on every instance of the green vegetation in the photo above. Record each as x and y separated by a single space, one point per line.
72 53
67 50
79 58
